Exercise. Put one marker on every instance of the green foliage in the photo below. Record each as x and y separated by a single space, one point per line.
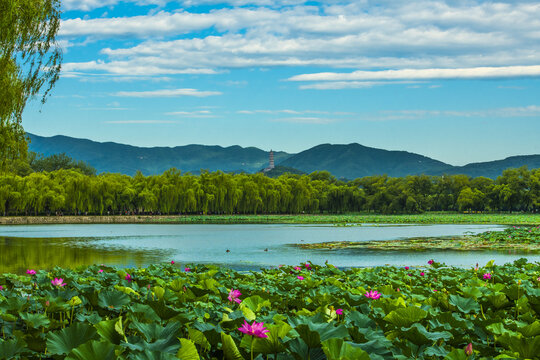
67 191
63 341
193 322
29 63
40 163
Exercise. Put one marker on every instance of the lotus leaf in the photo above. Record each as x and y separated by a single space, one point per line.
188 351
11 348
107 329
337 349
65 340
230 350
465 305
112 299
93 350
405 317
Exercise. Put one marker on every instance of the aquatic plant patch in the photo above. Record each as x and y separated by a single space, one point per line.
356 219
515 238
299 312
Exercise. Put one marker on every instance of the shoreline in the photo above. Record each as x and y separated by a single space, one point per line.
426 218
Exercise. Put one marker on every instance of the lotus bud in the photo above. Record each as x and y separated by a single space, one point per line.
469 349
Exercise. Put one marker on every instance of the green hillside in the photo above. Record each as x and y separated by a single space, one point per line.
342 161
126 159
492 169
354 160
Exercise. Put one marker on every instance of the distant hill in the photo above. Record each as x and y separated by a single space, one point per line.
343 161
492 169
126 159
354 160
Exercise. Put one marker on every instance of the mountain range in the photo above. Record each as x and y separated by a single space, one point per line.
343 161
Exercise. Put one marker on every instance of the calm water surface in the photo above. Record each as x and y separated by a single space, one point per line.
44 246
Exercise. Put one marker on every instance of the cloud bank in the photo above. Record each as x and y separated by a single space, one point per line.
401 40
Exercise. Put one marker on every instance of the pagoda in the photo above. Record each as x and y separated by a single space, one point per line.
270 161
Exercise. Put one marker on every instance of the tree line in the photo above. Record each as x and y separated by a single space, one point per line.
70 191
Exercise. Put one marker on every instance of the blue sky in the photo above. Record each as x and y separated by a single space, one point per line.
458 81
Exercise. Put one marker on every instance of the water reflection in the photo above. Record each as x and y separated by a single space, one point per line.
250 246
19 254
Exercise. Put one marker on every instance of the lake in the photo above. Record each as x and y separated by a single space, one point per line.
250 246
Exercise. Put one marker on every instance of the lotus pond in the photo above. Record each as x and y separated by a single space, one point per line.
307 312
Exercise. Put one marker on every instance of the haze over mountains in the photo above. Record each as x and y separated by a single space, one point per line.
343 161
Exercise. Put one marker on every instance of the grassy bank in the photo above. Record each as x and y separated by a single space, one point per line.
523 239
318 312
426 218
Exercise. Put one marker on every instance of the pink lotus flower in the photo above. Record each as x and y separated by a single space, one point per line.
1 287
100 271
233 296
128 277
187 269
255 329
31 272
406 268
300 277
297 268
487 276
422 273
469 350
430 262
58 282
308 266
372 295
172 262
339 311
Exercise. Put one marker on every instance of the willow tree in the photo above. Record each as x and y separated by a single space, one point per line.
30 60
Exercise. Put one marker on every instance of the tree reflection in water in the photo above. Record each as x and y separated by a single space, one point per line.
19 254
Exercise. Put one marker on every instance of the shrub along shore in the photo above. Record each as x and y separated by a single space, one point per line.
290 312
343 219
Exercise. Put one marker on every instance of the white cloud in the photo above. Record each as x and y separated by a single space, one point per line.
508 112
337 85
132 68
400 35
424 74
306 120
167 93
87 5
139 122
292 112
192 114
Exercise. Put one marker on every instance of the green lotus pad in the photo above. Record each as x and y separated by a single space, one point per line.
379 313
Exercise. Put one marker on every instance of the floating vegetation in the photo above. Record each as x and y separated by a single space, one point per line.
515 238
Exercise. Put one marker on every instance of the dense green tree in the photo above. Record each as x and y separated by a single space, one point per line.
30 61
68 191
40 163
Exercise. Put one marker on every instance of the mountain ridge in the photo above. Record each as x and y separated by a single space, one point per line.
348 161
